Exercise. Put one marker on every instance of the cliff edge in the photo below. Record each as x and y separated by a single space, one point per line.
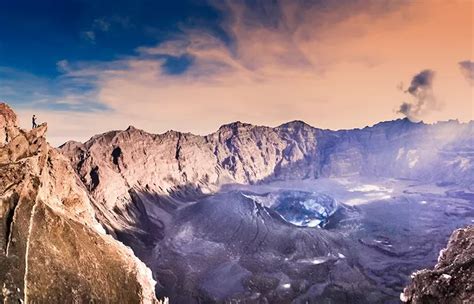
52 248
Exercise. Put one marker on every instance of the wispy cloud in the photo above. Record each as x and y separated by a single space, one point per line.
104 25
88 36
101 24
62 66
28 90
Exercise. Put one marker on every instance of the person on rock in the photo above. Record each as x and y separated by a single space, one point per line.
33 121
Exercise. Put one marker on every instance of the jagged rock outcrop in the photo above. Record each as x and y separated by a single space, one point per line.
52 247
452 279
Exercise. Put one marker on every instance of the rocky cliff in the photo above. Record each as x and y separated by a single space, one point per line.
452 279
119 164
52 247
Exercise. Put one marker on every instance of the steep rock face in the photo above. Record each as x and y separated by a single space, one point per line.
115 164
452 279
52 248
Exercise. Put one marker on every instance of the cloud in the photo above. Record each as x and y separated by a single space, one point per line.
108 23
467 69
421 91
105 25
88 36
101 24
62 65
331 64
23 90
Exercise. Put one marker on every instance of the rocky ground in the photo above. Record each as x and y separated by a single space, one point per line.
225 246
452 279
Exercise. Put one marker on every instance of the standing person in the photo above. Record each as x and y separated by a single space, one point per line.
33 121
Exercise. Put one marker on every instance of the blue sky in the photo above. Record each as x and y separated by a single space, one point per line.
192 65
36 36
89 30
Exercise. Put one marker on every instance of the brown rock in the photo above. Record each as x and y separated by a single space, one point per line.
8 123
52 248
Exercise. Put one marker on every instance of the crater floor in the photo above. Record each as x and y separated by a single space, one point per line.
264 243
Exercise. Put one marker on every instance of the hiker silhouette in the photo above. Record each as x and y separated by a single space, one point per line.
33 121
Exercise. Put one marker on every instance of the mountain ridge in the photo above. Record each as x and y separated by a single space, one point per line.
292 137
283 125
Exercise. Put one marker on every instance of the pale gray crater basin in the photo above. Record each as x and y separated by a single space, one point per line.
315 242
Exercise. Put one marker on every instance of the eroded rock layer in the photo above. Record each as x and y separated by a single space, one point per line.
52 248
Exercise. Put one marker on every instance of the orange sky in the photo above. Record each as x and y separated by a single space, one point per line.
330 71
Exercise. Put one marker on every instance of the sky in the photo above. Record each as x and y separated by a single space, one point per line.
89 66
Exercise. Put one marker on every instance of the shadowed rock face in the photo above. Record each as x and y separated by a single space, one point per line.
452 279
52 248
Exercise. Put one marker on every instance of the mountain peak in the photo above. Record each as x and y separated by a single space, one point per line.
132 129
295 124
235 125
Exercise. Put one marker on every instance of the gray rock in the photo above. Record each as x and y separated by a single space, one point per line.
452 279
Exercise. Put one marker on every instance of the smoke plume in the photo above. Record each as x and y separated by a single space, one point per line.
421 95
467 69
